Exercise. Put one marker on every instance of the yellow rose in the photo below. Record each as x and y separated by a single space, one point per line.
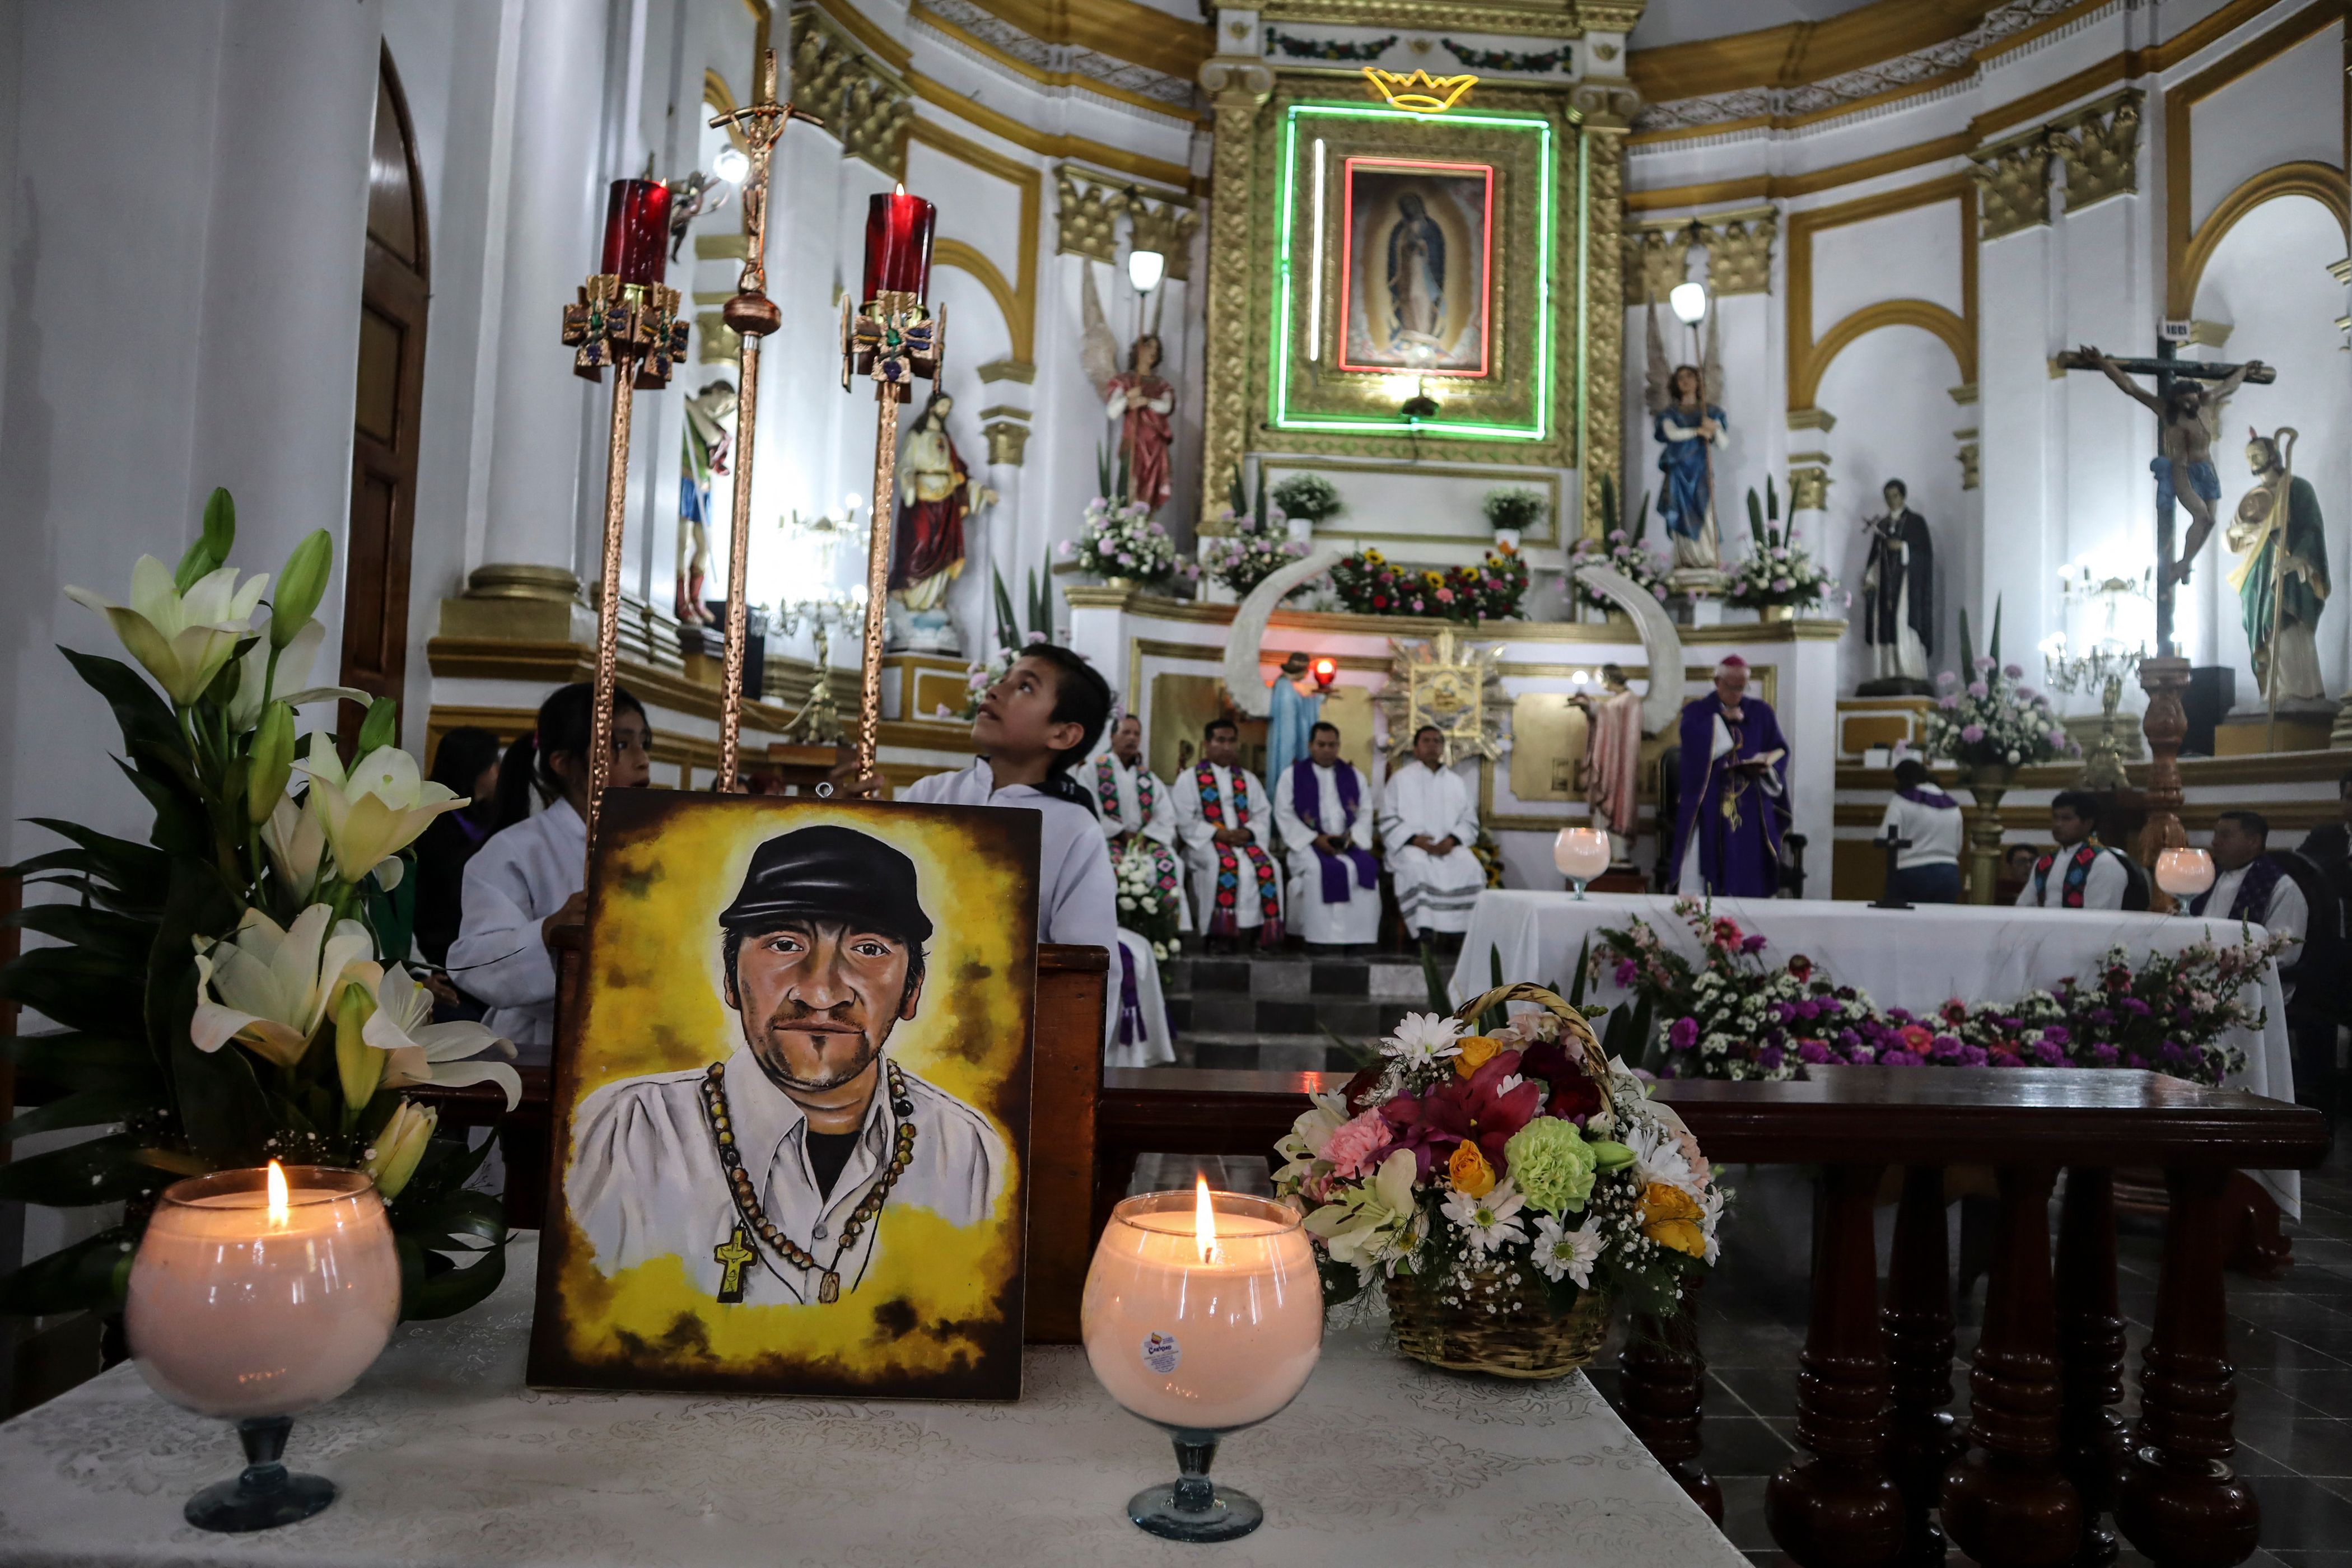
1469 1172
1670 1217
1680 1234
1477 1050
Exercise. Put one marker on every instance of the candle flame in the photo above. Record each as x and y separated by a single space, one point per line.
900 189
1204 1220
278 1205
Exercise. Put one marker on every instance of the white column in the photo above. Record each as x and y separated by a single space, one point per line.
553 217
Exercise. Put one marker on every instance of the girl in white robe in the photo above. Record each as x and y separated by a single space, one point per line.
529 878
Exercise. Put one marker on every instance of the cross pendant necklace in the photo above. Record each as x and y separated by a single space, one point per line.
734 1253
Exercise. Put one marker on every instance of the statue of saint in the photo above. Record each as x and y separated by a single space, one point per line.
1687 414
708 440
935 496
1140 401
1612 758
2183 465
1899 598
2282 582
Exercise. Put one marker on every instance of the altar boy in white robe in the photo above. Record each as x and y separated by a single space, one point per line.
1135 807
1427 825
1223 819
1324 807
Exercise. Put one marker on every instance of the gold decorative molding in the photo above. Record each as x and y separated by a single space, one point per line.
1809 358
1018 299
1008 441
1819 419
1971 478
1193 612
720 343
2100 147
1238 87
1608 109
2012 181
1655 261
720 247
1166 228
1809 489
1124 29
1507 18
1964 394
1049 144
861 100
1739 255
997 370
2317 181
1102 81
1085 218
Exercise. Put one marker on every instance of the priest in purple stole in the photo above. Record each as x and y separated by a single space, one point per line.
1324 808
1735 792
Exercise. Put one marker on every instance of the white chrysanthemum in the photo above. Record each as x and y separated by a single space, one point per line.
1560 1251
1487 1223
1423 1039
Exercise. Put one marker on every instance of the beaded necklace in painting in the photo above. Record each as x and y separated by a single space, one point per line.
736 1251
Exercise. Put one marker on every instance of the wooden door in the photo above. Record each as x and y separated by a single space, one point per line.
391 386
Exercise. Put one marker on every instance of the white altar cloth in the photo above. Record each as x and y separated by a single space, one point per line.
444 1457
1917 958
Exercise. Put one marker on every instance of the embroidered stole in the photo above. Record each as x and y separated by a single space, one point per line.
1222 919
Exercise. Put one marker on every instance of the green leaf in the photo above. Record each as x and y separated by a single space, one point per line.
301 586
79 1061
100 1170
221 1106
1584 964
84 1108
80 990
130 867
182 826
140 711
380 729
1755 516
1771 498
1008 626
1041 603
1440 1002
1608 506
93 1275
431 1286
1967 651
114 935
1236 493
220 524
1641 519
1992 650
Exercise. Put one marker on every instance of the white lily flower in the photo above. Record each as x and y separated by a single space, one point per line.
399 1146
182 638
271 988
376 810
294 662
422 1051
297 842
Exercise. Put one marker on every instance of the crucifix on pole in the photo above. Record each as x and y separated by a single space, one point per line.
2183 468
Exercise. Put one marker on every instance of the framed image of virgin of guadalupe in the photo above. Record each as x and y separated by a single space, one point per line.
791 1129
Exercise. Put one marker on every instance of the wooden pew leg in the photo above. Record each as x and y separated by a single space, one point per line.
1918 1324
2182 1504
1664 1381
1841 1508
2005 1502
2091 1349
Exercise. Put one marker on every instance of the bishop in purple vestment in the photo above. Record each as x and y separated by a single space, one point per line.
1735 779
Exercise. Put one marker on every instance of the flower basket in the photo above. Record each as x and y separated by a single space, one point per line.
1509 1188
1522 1336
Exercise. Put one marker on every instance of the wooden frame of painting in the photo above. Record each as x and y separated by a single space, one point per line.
790 1139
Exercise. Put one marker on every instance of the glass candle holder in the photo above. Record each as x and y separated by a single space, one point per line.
254 1306
1202 1315
2184 873
1581 854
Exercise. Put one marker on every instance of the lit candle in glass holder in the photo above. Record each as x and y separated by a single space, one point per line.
257 1294
1202 1315
1581 854
2184 873
899 244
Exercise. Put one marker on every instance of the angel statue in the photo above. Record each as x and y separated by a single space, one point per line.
1138 397
1687 407
2282 582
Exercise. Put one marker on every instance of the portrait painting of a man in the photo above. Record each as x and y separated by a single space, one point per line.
1415 287
812 1180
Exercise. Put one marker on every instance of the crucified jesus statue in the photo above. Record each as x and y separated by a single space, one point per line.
2184 462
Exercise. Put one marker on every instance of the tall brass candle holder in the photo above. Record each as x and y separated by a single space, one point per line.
752 315
633 328
893 339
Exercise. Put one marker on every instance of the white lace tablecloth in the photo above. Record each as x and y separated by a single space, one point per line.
444 1457
1917 958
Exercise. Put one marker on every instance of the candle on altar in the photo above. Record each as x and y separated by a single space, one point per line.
636 231
1581 853
1203 1309
262 1293
2184 873
899 244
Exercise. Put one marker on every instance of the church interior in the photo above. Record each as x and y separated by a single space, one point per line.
1772 558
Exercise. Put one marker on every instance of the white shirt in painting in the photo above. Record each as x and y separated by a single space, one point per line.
521 876
646 1180
2289 914
1077 895
1434 892
1934 831
1359 919
2102 887
1198 835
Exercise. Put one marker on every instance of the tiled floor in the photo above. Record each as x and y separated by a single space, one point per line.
2292 1340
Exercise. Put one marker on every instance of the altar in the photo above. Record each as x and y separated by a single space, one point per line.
1917 959
443 1455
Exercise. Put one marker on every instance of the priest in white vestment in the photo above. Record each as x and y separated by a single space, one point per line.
2081 873
2252 886
1138 812
1324 807
1427 825
1225 823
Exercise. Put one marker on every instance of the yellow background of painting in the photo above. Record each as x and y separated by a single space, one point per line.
653 1003
1452 199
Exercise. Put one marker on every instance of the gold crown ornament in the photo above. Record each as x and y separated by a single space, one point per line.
1420 92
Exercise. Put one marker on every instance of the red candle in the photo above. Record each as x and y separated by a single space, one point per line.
636 230
899 244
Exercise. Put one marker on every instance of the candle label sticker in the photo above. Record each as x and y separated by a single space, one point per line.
1160 1353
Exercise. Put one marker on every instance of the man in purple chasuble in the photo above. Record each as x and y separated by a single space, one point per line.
1324 808
1735 792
